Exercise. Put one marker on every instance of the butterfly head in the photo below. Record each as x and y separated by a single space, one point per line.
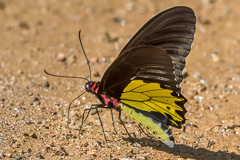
92 86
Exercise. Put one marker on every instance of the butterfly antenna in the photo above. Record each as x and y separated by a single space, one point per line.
79 36
54 75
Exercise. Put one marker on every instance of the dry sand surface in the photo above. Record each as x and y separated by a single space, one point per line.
43 34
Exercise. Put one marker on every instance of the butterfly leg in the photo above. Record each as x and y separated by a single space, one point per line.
119 117
101 122
93 106
83 120
113 122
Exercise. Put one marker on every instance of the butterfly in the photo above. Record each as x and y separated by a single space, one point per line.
144 80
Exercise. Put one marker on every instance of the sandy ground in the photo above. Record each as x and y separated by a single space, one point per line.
43 34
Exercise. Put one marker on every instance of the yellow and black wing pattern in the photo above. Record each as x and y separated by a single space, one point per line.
145 99
150 97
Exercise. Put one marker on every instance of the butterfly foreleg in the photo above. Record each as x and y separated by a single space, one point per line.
93 106
88 110
83 120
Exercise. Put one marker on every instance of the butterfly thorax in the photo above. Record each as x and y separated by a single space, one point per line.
111 102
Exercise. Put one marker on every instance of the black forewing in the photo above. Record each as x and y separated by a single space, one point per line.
147 63
173 31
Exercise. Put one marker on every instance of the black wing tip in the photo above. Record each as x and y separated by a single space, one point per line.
180 10
186 8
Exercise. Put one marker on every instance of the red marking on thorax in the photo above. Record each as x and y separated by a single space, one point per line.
96 90
93 86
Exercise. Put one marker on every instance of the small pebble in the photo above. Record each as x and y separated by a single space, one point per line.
35 99
116 20
25 134
237 130
8 155
92 152
130 5
215 57
94 59
61 57
141 157
135 150
71 59
24 25
1 155
19 71
45 84
39 155
33 135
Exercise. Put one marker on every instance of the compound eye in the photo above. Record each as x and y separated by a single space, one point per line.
87 86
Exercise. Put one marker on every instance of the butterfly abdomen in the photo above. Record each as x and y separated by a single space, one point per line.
158 129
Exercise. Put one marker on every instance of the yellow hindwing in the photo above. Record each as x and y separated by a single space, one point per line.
151 97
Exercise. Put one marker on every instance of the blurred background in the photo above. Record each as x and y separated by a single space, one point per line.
43 34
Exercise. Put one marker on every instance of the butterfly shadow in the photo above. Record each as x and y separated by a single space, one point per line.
187 152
